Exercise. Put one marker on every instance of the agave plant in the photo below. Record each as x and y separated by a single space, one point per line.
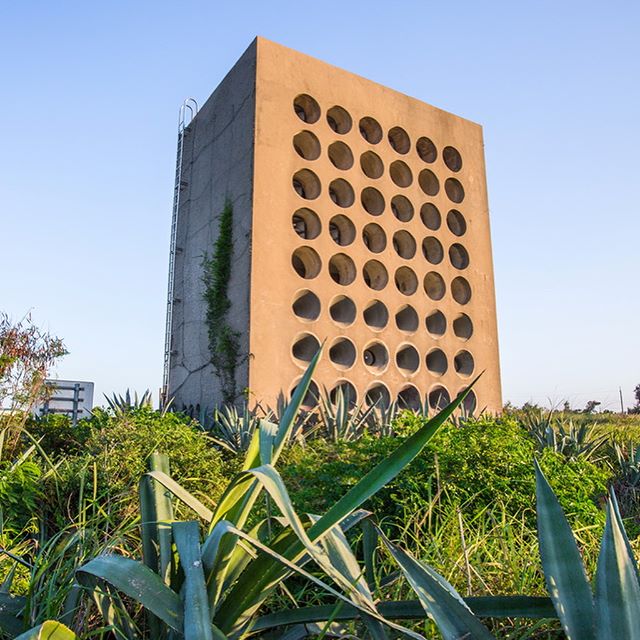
565 437
340 418
233 430
121 405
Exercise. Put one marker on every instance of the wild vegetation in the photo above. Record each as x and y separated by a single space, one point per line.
346 522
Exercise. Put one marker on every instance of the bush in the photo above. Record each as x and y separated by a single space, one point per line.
19 493
115 449
477 464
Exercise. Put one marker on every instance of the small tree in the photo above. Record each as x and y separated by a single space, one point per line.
590 407
26 356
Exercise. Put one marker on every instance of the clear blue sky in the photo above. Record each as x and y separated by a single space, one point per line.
89 95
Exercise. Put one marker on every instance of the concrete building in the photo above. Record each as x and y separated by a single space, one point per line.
360 218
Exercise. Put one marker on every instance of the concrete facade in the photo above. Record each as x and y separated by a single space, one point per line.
360 219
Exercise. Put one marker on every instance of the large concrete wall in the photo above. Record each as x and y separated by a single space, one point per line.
369 158
217 164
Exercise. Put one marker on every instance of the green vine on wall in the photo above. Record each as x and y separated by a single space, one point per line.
224 342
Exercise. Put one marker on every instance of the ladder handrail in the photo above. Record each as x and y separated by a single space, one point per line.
186 114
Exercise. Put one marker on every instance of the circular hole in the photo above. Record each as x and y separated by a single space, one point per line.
306 305
460 290
409 398
378 395
372 201
370 130
341 193
341 230
400 173
306 184
342 353
452 158
399 140
456 223
342 310
371 165
430 216
407 359
339 120
306 108
345 390
376 315
341 269
459 256
428 182
306 145
375 357
306 262
432 250
374 237
470 402
407 319
310 399
463 327
375 275
436 323
306 223
463 363
404 244
304 348
439 398
454 190
437 362
426 150
434 285
406 281
402 208
340 155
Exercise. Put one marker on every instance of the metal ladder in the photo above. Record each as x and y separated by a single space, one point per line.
188 110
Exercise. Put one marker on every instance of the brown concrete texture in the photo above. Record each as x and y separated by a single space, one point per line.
370 232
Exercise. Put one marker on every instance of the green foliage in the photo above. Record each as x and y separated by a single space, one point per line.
477 464
224 342
57 435
116 448
19 493
609 612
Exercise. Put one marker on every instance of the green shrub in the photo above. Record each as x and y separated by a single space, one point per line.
57 435
477 464
19 493
115 451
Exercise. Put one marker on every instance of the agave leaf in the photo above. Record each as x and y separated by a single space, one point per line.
564 571
197 618
182 494
440 601
343 560
11 608
49 630
484 606
136 581
242 624
251 588
617 588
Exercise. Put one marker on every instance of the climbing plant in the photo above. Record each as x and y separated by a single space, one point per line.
224 342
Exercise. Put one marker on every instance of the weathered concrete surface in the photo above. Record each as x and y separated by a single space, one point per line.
217 164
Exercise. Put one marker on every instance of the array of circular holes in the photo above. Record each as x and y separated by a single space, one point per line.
305 182
342 270
378 395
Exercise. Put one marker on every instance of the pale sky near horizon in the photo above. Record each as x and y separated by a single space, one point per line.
89 96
